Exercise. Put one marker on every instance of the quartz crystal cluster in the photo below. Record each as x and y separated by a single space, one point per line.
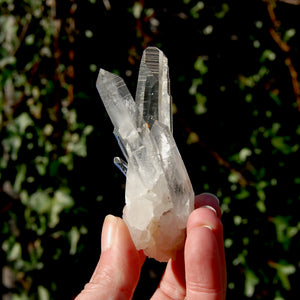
159 196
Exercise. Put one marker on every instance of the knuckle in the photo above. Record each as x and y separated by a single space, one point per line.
197 288
171 291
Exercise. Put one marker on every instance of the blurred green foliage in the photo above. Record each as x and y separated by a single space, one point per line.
234 80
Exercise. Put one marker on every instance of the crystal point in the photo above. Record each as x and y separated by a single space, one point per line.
159 196
153 97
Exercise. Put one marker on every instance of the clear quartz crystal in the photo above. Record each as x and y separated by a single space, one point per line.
159 195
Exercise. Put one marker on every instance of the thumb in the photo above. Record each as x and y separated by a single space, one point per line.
118 269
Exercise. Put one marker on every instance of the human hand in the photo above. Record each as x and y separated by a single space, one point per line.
199 271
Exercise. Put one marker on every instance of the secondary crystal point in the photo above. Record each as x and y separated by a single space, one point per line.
159 196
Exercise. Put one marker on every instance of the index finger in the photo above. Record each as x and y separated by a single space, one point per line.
204 256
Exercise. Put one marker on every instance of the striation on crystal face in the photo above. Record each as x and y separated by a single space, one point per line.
159 196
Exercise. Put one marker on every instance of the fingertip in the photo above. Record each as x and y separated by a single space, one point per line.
204 256
209 195
109 228
118 269
205 216
208 200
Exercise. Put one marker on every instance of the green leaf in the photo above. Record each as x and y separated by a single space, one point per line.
21 176
40 201
280 144
12 145
200 107
41 164
88 130
244 154
67 160
268 55
192 138
243 194
225 9
61 200
233 177
195 83
201 66
15 252
74 236
283 271
137 10
261 206
23 121
289 34
284 231
195 9
43 293
251 281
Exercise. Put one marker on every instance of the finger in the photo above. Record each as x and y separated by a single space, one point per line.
118 269
210 201
204 256
172 284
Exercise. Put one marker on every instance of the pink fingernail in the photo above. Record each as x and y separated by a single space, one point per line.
211 208
207 226
108 232
212 195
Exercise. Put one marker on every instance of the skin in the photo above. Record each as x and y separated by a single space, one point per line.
199 271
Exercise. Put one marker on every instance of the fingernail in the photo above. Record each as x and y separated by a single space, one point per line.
211 208
207 226
108 232
212 195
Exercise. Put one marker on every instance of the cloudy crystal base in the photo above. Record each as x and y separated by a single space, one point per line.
159 195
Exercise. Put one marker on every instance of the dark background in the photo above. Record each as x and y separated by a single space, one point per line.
235 86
